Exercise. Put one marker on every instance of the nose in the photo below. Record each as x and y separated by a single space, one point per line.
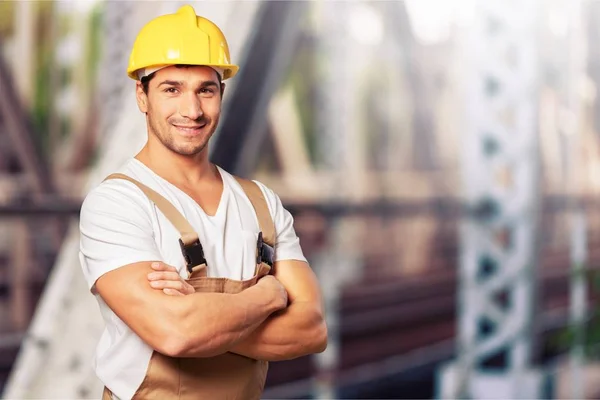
191 107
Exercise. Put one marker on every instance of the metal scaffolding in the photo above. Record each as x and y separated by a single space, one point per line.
497 299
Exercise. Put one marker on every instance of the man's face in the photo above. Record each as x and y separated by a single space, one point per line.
182 106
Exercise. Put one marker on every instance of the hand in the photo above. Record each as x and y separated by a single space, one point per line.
271 285
168 280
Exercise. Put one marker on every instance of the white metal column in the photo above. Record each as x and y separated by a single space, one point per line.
496 306
574 59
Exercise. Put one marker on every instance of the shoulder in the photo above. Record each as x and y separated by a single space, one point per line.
274 204
114 197
271 197
268 194
117 191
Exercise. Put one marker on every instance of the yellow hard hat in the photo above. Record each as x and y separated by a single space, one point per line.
180 38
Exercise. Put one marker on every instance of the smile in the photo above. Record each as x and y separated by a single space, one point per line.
190 130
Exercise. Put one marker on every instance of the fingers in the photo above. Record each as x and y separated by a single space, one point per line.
160 266
164 276
179 285
162 284
169 279
172 292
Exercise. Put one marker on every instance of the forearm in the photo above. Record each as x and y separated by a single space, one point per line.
211 323
293 332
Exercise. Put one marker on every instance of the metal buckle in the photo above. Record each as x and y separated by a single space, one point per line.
193 254
265 253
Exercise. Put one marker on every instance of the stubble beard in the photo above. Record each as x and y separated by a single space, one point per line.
167 140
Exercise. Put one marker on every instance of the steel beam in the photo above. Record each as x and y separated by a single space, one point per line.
19 130
238 142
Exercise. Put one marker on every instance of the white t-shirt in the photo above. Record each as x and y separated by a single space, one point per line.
120 225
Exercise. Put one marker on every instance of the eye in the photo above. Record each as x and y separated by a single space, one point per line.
207 91
170 90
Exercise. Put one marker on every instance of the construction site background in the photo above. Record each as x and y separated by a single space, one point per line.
441 160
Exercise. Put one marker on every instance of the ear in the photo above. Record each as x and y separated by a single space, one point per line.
141 97
222 89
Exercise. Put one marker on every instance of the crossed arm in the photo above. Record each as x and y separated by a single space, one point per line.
254 323
297 330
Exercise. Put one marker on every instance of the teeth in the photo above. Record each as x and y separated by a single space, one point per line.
190 130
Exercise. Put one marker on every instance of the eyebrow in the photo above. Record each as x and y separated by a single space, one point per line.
209 83
180 83
172 83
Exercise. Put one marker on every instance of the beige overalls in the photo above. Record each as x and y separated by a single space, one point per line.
229 375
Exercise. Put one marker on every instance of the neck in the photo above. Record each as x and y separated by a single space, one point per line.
176 168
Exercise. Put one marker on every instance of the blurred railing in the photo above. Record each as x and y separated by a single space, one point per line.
395 318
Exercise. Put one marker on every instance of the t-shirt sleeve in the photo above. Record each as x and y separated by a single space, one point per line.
287 246
115 230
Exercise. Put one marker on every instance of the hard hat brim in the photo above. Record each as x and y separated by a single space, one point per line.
230 70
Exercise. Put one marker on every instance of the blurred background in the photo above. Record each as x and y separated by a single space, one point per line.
441 159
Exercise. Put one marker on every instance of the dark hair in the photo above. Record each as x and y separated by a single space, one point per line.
146 79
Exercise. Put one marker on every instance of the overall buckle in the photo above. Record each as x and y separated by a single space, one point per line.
265 253
193 254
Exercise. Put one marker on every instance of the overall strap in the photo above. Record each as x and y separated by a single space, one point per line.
256 197
190 243
106 394
265 246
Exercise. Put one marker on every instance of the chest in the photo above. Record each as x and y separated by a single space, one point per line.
228 236
207 198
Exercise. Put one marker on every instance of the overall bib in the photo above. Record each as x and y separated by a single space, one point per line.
226 376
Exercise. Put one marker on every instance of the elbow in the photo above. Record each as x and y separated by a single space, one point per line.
173 344
172 338
311 339
316 337
178 338
179 343
319 342
169 336
172 348
180 346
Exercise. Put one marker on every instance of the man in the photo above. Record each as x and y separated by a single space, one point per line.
199 275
